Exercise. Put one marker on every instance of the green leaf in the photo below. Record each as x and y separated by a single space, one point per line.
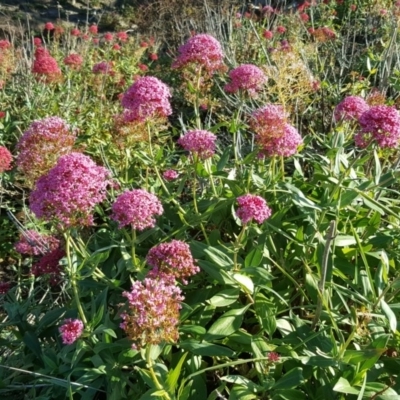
173 375
289 394
343 386
192 329
345 240
291 380
214 272
225 325
245 282
206 349
390 315
254 258
218 257
50 318
224 298
33 343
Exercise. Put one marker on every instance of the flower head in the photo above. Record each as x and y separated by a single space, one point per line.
268 121
108 37
122 36
69 192
71 330
103 67
172 259
153 314
136 208
42 144
380 123
45 66
200 51
5 159
246 77
4 287
93 29
252 207
199 142
350 108
75 32
74 61
170 175
35 243
148 98
4 44
49 265
49 26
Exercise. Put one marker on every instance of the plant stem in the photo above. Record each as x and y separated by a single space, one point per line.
133 247
153 375
237 246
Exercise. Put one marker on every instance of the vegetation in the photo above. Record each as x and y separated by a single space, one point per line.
212 220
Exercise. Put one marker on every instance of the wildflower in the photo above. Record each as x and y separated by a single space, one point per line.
153 314
103 67
246 77
122 36
268 34
380 123
49 265
71 330
353 7
170 175
35 243
304 17
148 98
202 51
93 29
58 30
4 44
284 145
75 32
350 108
144 44
280 29
108 37
273 357
268 10
4 287
69 192
5 159
153 57
2 114
116 47
143 67
268 121
37 41
74 61
49 26
172 259
42 144
45 66
199 142
136 208
96 40
252 207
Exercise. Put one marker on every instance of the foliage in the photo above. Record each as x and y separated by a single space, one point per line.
298 299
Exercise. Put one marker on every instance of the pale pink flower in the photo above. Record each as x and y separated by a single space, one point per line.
350 108
199 142
252 207
5 159
170 175
74 61
248 78
136 208
172 259
35 243
71 330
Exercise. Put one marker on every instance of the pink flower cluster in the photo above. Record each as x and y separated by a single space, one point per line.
350 108
103 67
380 123
71 330
45 66
49 265
136 208
147 98
285 145
35 243
248 78
274 135
69 192
200 51
5 159
42 144
74 61
171 260
153 315
199 142
170 175
252 207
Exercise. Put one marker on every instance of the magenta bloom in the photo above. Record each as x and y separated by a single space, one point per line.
199 142
71 330
103 67
200 51
172 259
252 207
5 159
381 123
136 208
45 66
147 98
350 108
122 36
284 145
69 192
49 26
42 144
170 175
4 287
246 77
269 120
74 61
153 314
34 243
49 265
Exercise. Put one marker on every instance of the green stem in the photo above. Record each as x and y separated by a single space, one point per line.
72 274
153 375
133 247
237 246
